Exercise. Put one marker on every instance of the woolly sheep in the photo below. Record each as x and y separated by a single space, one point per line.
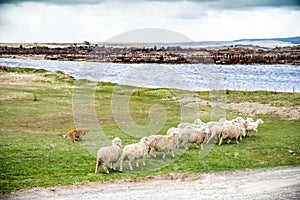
163 143
171 130
133 152
252 126
230 132
196 136
109 154
215 132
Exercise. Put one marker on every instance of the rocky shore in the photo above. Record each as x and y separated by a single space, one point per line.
156 54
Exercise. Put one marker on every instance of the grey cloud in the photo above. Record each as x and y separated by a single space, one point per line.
209 3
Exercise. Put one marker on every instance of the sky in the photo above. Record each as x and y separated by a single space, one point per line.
102 20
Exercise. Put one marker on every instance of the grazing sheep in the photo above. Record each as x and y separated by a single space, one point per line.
133 152
196 135
252 126
109 154
231 131
163 143
76 135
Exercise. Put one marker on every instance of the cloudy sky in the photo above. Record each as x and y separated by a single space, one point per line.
99 20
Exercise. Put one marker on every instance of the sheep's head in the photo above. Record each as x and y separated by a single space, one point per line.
249 119
198 121
117 142
260 121
145 141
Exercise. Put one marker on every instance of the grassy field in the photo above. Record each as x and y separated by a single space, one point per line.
36 110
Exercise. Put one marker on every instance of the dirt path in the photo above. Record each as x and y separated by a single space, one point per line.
279 183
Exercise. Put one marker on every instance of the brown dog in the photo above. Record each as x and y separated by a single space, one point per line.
76 135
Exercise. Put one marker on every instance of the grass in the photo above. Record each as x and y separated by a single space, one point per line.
33 153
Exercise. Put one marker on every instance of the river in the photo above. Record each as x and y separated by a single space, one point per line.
195 77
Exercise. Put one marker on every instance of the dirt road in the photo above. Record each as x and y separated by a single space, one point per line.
279 183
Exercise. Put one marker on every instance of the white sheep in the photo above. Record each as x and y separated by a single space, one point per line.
252 126
196 135
171 130
188 125
215 132
214 123
133 152
109 154
162 143
230 132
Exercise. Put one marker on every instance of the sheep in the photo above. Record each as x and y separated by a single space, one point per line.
238 120
215 131
231 131
252 126
196 136
187 125
109 154
172 130
213 123
163 143
199 122
133 152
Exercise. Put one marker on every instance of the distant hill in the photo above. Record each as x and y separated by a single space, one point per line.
261 42
293 40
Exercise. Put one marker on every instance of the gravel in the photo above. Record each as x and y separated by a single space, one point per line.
276 183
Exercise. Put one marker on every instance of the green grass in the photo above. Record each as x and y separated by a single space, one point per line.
33 153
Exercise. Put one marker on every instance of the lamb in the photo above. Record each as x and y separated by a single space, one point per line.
231 131
109 154
252 126
196 136
163 143
133 152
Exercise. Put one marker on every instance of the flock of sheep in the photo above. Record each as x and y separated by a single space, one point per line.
186 133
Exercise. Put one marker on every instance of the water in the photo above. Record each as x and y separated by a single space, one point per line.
285 78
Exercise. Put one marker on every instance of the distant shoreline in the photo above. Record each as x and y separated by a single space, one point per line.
130 53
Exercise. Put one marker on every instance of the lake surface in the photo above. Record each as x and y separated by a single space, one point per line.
285 78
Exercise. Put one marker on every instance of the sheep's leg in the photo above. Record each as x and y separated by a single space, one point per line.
172 152
228 141
143 158
202 148
137 162
208 140
121 164
105 168
113 165
130 166
97 165
184 145
236 140
220 141
153 152
164 155
255 133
